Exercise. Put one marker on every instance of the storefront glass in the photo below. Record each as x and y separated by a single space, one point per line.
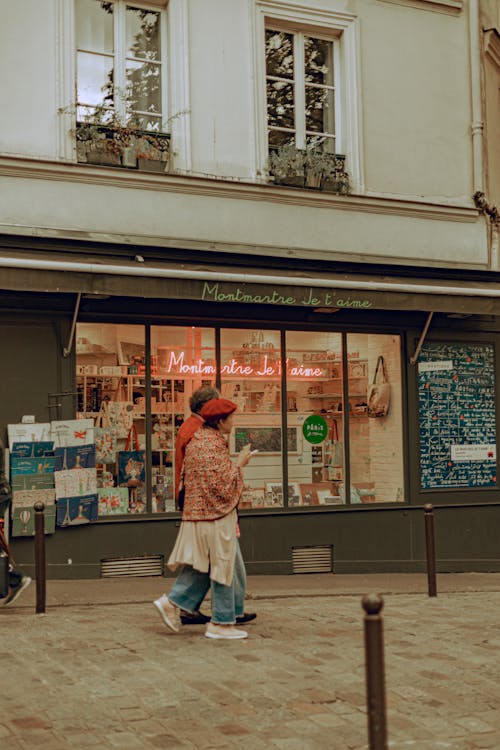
334 434
375 418
251 377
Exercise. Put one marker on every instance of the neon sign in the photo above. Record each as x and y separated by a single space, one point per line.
176 364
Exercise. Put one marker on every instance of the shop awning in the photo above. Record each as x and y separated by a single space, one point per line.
111 276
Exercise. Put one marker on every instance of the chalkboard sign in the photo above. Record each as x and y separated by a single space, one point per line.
456 386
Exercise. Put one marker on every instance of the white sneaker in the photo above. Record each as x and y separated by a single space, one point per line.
168 612
228 632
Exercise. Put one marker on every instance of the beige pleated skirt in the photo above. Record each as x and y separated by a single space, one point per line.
208 546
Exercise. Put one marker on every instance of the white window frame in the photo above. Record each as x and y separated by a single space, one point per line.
343 29
175 76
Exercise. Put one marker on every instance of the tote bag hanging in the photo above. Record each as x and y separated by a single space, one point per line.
337 448
105 436
379 392
131 471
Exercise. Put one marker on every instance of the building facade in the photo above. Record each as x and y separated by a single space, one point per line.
293 201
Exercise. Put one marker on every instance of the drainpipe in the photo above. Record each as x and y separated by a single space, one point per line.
477 127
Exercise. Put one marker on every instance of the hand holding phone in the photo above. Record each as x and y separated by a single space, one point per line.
252 453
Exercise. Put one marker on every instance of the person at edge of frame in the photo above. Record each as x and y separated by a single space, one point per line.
207 539
186 431
17 581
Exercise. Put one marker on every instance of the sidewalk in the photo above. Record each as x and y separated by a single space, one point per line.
100 670
143 590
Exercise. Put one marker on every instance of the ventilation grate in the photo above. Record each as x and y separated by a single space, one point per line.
114 567
312 559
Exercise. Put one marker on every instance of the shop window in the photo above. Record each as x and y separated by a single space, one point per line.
110 382
182 359
346 457
375 418
315 411
120 64
251 377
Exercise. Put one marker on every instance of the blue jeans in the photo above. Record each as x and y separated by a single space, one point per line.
228 602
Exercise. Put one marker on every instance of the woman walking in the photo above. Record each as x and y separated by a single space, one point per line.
207 540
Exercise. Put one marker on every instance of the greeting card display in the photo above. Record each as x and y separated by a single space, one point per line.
28 498
32 449
113 501
32 482
75 483
70 432
75 511
75 457
23 520
40 465
26 433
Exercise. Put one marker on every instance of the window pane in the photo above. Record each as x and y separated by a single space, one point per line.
279 54
109 392
278 138
315 414
320 111
376 444
323 143
95 79
143 33
144 122
94 26
318 60
182 359
280 104
143 86
251 377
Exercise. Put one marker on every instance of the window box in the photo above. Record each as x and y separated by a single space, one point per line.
122 147
312 169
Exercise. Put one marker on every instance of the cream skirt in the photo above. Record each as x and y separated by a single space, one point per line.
208 546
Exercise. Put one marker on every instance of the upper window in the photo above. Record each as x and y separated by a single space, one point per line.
120 63
308 91
301 90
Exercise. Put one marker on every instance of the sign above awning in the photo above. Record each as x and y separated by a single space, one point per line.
280 289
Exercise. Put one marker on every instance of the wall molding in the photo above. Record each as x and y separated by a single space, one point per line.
37 169
450 7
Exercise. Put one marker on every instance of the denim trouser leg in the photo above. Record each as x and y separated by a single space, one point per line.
223 604
189 589
240 582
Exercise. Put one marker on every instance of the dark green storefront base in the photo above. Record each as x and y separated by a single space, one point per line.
368 540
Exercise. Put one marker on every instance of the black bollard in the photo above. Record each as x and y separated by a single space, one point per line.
40 572
375 674
431 549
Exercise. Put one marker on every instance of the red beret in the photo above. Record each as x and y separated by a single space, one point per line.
217 408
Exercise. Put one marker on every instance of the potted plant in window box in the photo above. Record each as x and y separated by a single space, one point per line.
334 178
102 139
286 165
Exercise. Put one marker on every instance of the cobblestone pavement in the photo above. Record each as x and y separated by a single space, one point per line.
112 676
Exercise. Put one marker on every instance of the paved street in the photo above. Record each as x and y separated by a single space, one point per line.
100 670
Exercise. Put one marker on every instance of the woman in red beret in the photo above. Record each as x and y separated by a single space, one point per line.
207 538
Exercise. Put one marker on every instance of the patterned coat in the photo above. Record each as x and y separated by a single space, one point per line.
213 483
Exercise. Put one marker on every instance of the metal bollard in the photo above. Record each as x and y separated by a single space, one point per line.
40 572
375 675
431 549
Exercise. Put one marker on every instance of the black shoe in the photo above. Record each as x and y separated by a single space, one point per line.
247 617
198 618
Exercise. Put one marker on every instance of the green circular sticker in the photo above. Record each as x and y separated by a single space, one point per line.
315 429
